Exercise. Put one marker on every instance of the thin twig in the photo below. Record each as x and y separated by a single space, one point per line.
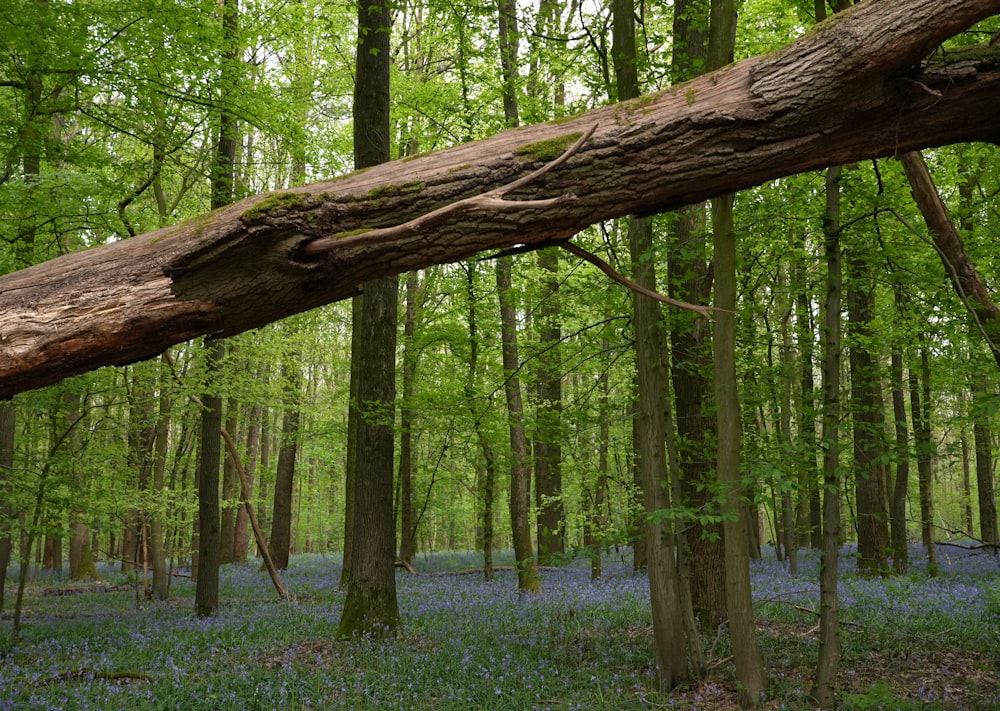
491 200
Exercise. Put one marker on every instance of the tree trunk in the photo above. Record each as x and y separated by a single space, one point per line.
241 536
866 414
161 580
982 435
739 605
230 503
370 606
690 279
489 466
407 461
809 517
351 446
920 393
669 636
520 496
280 542
760 119
823 689
550 522
206 596
8 422
897 509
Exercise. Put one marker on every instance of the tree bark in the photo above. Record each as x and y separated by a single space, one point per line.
982 435
407 457
370 606
268 257
520 474
897 507
824 683
280 542
866 414
920 394
550 522
206 596
8 422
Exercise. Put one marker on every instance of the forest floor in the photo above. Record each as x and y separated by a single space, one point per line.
909 642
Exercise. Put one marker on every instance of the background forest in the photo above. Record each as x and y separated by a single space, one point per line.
113 118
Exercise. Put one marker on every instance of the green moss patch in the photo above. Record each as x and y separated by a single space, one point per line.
549 149
278 201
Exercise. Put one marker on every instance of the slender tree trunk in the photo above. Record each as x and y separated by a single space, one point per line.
920 393
351 453
206 596
8 422
280 542
810 515
161 580
897 516
824 683
520 496
669 636
489 466
550 522
407 460
739 605
967 520
520 475
241 536
690 279
81 555
230 487
785 428
598 519
982 435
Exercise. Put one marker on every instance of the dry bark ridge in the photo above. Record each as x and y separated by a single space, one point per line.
250 263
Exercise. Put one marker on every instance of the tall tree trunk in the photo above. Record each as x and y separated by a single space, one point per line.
869 422
809 515
81 554
788 509
206 596
351 446
488 472
823 689
596 525
370 605
669 635
690 279
982 435
230 487
8 427
920 394
520 475
407 458
897 509
967 519
161 580
520 496
739 605
222 180
241 536
548 428
280 542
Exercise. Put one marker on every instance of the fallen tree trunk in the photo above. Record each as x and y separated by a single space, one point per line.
855 87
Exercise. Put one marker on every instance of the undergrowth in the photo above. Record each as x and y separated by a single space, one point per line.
908 642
